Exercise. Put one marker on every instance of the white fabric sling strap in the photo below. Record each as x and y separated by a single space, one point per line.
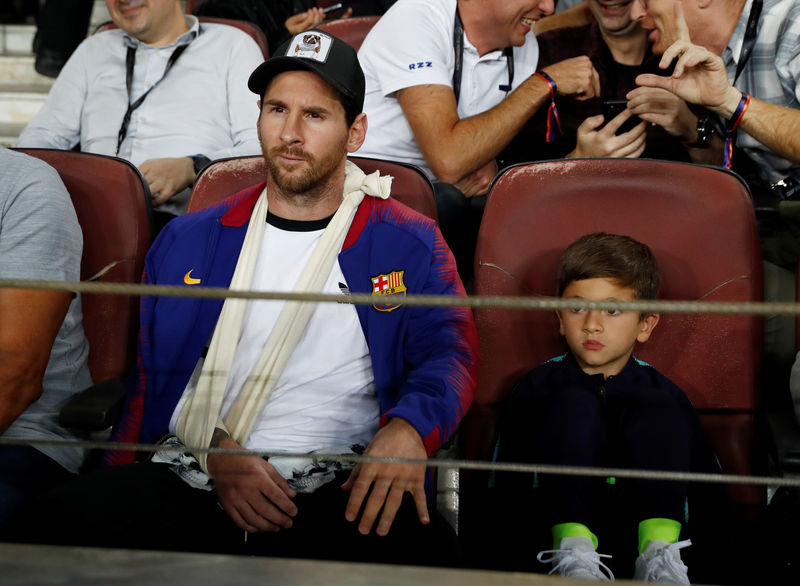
201 411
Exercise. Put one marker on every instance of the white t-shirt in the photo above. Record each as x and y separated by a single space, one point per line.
326 395
412 44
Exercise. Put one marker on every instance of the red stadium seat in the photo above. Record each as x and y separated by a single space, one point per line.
225 177
350 30
248 27
112 202
699 222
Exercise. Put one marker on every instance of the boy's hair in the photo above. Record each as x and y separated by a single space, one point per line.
610 256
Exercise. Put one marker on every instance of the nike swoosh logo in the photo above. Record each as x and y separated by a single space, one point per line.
187 278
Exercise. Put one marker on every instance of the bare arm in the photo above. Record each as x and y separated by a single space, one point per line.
702 80
578 15
454 148
776 127
29 322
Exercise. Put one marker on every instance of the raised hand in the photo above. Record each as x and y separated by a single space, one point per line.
699 76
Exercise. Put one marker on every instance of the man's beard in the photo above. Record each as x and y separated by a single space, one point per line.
313 179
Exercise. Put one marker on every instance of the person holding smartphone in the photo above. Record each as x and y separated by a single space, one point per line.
282 19
302 21
606 125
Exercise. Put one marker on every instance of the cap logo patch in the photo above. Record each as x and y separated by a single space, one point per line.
315 46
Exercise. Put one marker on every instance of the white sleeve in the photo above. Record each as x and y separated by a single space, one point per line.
58 123
244 57
41 237
411 45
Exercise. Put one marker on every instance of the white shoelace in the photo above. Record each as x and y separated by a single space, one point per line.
666 563
567 559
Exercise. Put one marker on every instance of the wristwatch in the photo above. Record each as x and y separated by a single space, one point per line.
705 132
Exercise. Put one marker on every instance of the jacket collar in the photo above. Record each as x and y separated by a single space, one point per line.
243 203
577 374
242 206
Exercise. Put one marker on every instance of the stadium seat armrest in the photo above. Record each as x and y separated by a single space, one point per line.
96 408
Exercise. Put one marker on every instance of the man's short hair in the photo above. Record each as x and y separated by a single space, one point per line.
324 54
610 256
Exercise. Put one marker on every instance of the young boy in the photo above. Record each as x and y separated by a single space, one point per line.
598 406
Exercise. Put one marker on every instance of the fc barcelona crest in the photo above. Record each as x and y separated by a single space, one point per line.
391 284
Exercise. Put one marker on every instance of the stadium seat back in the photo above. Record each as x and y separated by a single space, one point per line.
112 203
250 28
700 224
353 31
697 220
225 177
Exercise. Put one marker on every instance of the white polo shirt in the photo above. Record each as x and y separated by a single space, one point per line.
412 44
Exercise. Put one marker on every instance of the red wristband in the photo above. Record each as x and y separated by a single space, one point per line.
553 120
730 129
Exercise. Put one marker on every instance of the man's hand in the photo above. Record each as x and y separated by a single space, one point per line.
309 19
593 141
478 182
303 21
251 491
397 439
166 177
699 76
665 109
575 77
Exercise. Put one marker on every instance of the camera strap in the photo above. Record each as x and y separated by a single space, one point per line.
458 50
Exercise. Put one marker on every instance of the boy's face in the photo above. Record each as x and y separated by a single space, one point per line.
601 340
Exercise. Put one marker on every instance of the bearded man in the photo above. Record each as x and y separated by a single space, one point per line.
298 378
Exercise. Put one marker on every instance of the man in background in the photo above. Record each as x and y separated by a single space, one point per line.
43 350
161 90
449 84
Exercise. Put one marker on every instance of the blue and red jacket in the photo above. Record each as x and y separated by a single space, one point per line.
424 359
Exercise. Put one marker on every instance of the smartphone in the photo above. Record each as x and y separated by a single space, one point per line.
332 8
613 107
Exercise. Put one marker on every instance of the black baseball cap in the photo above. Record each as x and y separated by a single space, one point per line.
319 52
